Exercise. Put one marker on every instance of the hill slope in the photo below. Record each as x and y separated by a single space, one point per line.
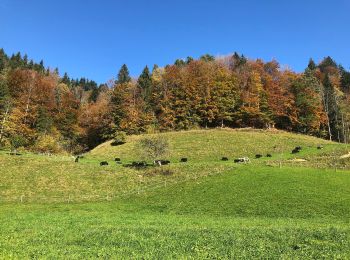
271 208
57 178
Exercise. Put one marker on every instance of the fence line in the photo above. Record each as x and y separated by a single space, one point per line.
70 198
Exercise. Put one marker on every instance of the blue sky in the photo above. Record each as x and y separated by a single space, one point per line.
90 38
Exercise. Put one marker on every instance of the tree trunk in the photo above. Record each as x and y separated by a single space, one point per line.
325 104
3 122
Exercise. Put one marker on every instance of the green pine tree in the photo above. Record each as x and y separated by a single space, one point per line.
145 85
123 75
44 121
312 65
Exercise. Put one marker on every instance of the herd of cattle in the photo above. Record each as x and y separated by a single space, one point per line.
142 164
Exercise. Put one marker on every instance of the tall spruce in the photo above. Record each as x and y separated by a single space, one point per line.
312 65
3 60
144 82
123 75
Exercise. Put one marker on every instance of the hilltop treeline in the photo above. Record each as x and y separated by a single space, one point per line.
42 111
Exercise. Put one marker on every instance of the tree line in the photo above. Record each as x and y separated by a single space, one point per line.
42 111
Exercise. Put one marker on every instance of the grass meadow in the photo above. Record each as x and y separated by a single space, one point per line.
278 207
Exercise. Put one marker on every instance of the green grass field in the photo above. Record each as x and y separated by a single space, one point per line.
274 207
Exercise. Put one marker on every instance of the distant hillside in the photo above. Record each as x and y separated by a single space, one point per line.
211 145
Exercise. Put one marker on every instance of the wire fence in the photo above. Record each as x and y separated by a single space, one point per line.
330 162
319 162
141 188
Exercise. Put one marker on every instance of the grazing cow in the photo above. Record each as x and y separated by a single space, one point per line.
103 163
136 165
224 159
268 155
139 164
242 160
320 147
117 160
76 159
183 160
257 156
296 149
161 162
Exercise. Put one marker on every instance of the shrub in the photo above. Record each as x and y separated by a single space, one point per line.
47 144
119 138
152 148
16 142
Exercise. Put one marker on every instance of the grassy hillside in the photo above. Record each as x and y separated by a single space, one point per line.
211 145
271 208
42 179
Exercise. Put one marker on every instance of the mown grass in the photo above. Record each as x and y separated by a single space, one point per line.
101 231
51 207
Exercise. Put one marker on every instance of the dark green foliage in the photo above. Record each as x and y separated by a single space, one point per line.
3 60
65 79
94 94
189 60
344 79
145 84
312 65
4 92
17 141
119 138
238 60
44 121
308 102
123 75
327 64
207 58
180 63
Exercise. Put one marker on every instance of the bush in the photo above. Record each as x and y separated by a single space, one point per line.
152 148
16 142
47 144
119 138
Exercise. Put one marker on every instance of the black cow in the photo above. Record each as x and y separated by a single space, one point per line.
268 155
320 147
117 160
161 162
296 149
242 160
257 156
139 164
103 163
76 159
136 165
224 159
183 160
